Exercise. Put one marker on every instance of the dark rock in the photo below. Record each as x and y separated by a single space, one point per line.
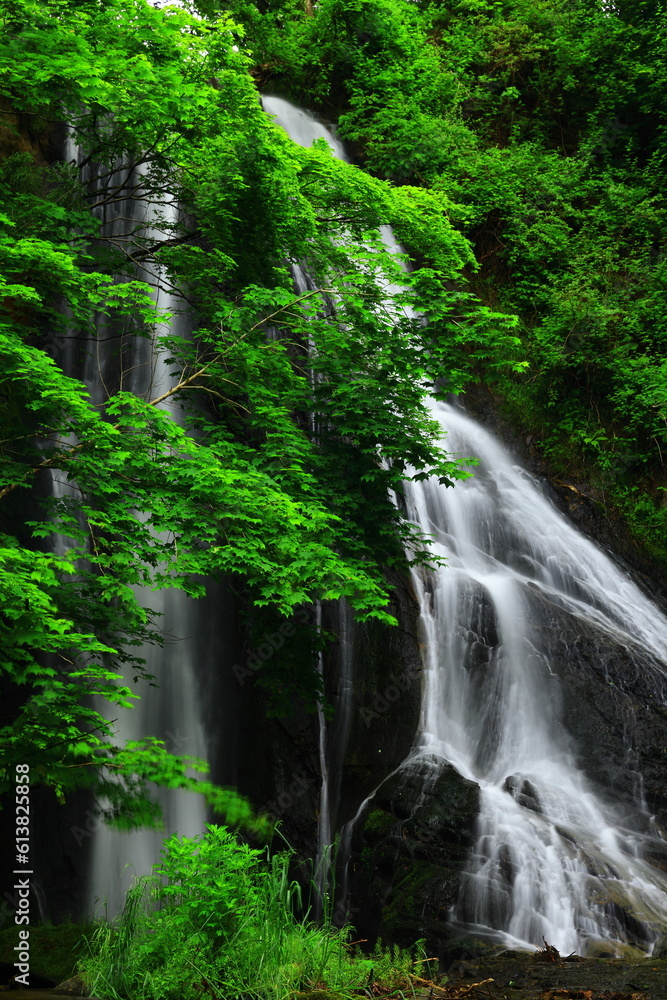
278 759
388 673
408 852
613 710
523 791
73 985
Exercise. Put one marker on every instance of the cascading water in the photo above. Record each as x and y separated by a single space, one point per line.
171 711
303 128
552 859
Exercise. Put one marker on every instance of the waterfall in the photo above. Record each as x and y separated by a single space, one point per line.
303 128
171 708
173 713
552 857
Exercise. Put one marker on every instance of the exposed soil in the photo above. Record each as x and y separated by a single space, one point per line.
519 976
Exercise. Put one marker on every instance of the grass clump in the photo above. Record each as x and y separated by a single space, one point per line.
219 919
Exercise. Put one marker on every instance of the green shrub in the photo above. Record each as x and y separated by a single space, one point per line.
217 917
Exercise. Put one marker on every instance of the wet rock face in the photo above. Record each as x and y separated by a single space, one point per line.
388 672
523 791
408 852
278 759
28 133
612 708
582 502
412 844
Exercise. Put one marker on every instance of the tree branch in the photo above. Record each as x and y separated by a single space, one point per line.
182 384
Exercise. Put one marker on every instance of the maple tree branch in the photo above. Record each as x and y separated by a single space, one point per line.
182 384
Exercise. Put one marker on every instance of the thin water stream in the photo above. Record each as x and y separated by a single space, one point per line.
303 128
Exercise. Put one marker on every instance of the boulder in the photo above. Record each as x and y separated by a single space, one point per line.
408 851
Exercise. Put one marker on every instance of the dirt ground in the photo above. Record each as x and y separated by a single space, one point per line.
518 976
508 976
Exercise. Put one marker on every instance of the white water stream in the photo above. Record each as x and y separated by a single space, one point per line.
552 859
174 710
303 128
171 710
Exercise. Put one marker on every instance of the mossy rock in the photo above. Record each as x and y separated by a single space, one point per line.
54 950
419 903
379 822
319 995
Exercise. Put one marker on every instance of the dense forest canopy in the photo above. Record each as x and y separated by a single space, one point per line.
542 121
517 148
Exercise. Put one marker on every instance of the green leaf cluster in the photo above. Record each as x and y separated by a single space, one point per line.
221 917
174 407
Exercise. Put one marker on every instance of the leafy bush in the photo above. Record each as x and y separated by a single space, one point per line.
220 918
230 480
541 122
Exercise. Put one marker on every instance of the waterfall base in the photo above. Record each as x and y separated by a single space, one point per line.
524 977
408 881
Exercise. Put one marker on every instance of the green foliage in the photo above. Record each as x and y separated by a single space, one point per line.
541 123
525 143
220 917
55 949
259 448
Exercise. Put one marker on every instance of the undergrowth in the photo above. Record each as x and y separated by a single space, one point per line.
220 919
627 485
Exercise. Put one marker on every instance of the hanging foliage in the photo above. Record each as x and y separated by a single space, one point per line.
267 456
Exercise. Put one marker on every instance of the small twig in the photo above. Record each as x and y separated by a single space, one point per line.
182 384
46 464
202 373
428 982
568 486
